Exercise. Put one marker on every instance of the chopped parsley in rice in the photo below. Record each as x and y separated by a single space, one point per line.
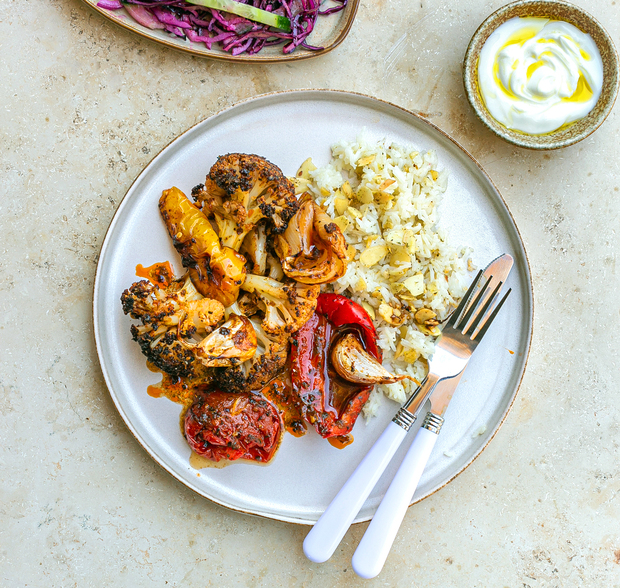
385 197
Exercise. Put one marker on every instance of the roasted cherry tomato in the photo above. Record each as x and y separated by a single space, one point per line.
327 401
224 425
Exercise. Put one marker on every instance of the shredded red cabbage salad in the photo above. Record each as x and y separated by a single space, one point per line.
232 33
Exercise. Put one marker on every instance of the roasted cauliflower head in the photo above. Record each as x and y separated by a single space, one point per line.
240 190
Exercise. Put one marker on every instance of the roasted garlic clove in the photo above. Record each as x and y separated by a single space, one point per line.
356 365
231 344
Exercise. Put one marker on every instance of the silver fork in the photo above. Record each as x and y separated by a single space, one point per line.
452 352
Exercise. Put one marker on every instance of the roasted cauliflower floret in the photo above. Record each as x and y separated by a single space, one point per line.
271 359
240 190
312 250
246 305
231 344
173 319
287 306
268 361
274 268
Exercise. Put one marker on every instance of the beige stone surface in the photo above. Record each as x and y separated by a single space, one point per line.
84 106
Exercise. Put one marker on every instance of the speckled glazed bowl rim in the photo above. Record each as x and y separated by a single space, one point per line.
267 55
557 10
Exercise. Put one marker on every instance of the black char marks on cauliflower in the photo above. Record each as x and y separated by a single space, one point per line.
173 319
240 190
269 360
287 306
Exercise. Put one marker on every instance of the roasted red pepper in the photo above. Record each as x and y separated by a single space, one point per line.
341 310
326 400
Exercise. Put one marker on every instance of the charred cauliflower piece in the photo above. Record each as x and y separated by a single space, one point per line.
240 190
268 361
173 319
272 359
287 306
230 344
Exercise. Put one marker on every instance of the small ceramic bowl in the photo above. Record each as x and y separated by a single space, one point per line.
556 10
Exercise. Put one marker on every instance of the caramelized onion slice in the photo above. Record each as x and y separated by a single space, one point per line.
312 249
231 344
356 365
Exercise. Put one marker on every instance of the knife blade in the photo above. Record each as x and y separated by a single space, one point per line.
499 268
376 543
441 396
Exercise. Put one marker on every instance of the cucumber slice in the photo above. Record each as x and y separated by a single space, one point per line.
247 11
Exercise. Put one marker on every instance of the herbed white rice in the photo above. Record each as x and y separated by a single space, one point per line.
389 211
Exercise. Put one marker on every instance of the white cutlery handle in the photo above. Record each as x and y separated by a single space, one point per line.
376 543
328 531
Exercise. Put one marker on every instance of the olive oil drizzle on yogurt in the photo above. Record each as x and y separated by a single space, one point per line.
536 75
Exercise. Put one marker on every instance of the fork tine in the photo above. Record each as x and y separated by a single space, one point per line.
455 316
481 311
488 321
462 323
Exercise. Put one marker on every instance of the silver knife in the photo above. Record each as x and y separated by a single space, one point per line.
376 543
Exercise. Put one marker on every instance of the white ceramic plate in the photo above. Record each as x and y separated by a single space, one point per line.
306 473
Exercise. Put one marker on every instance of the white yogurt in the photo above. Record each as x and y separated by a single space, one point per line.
536 74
